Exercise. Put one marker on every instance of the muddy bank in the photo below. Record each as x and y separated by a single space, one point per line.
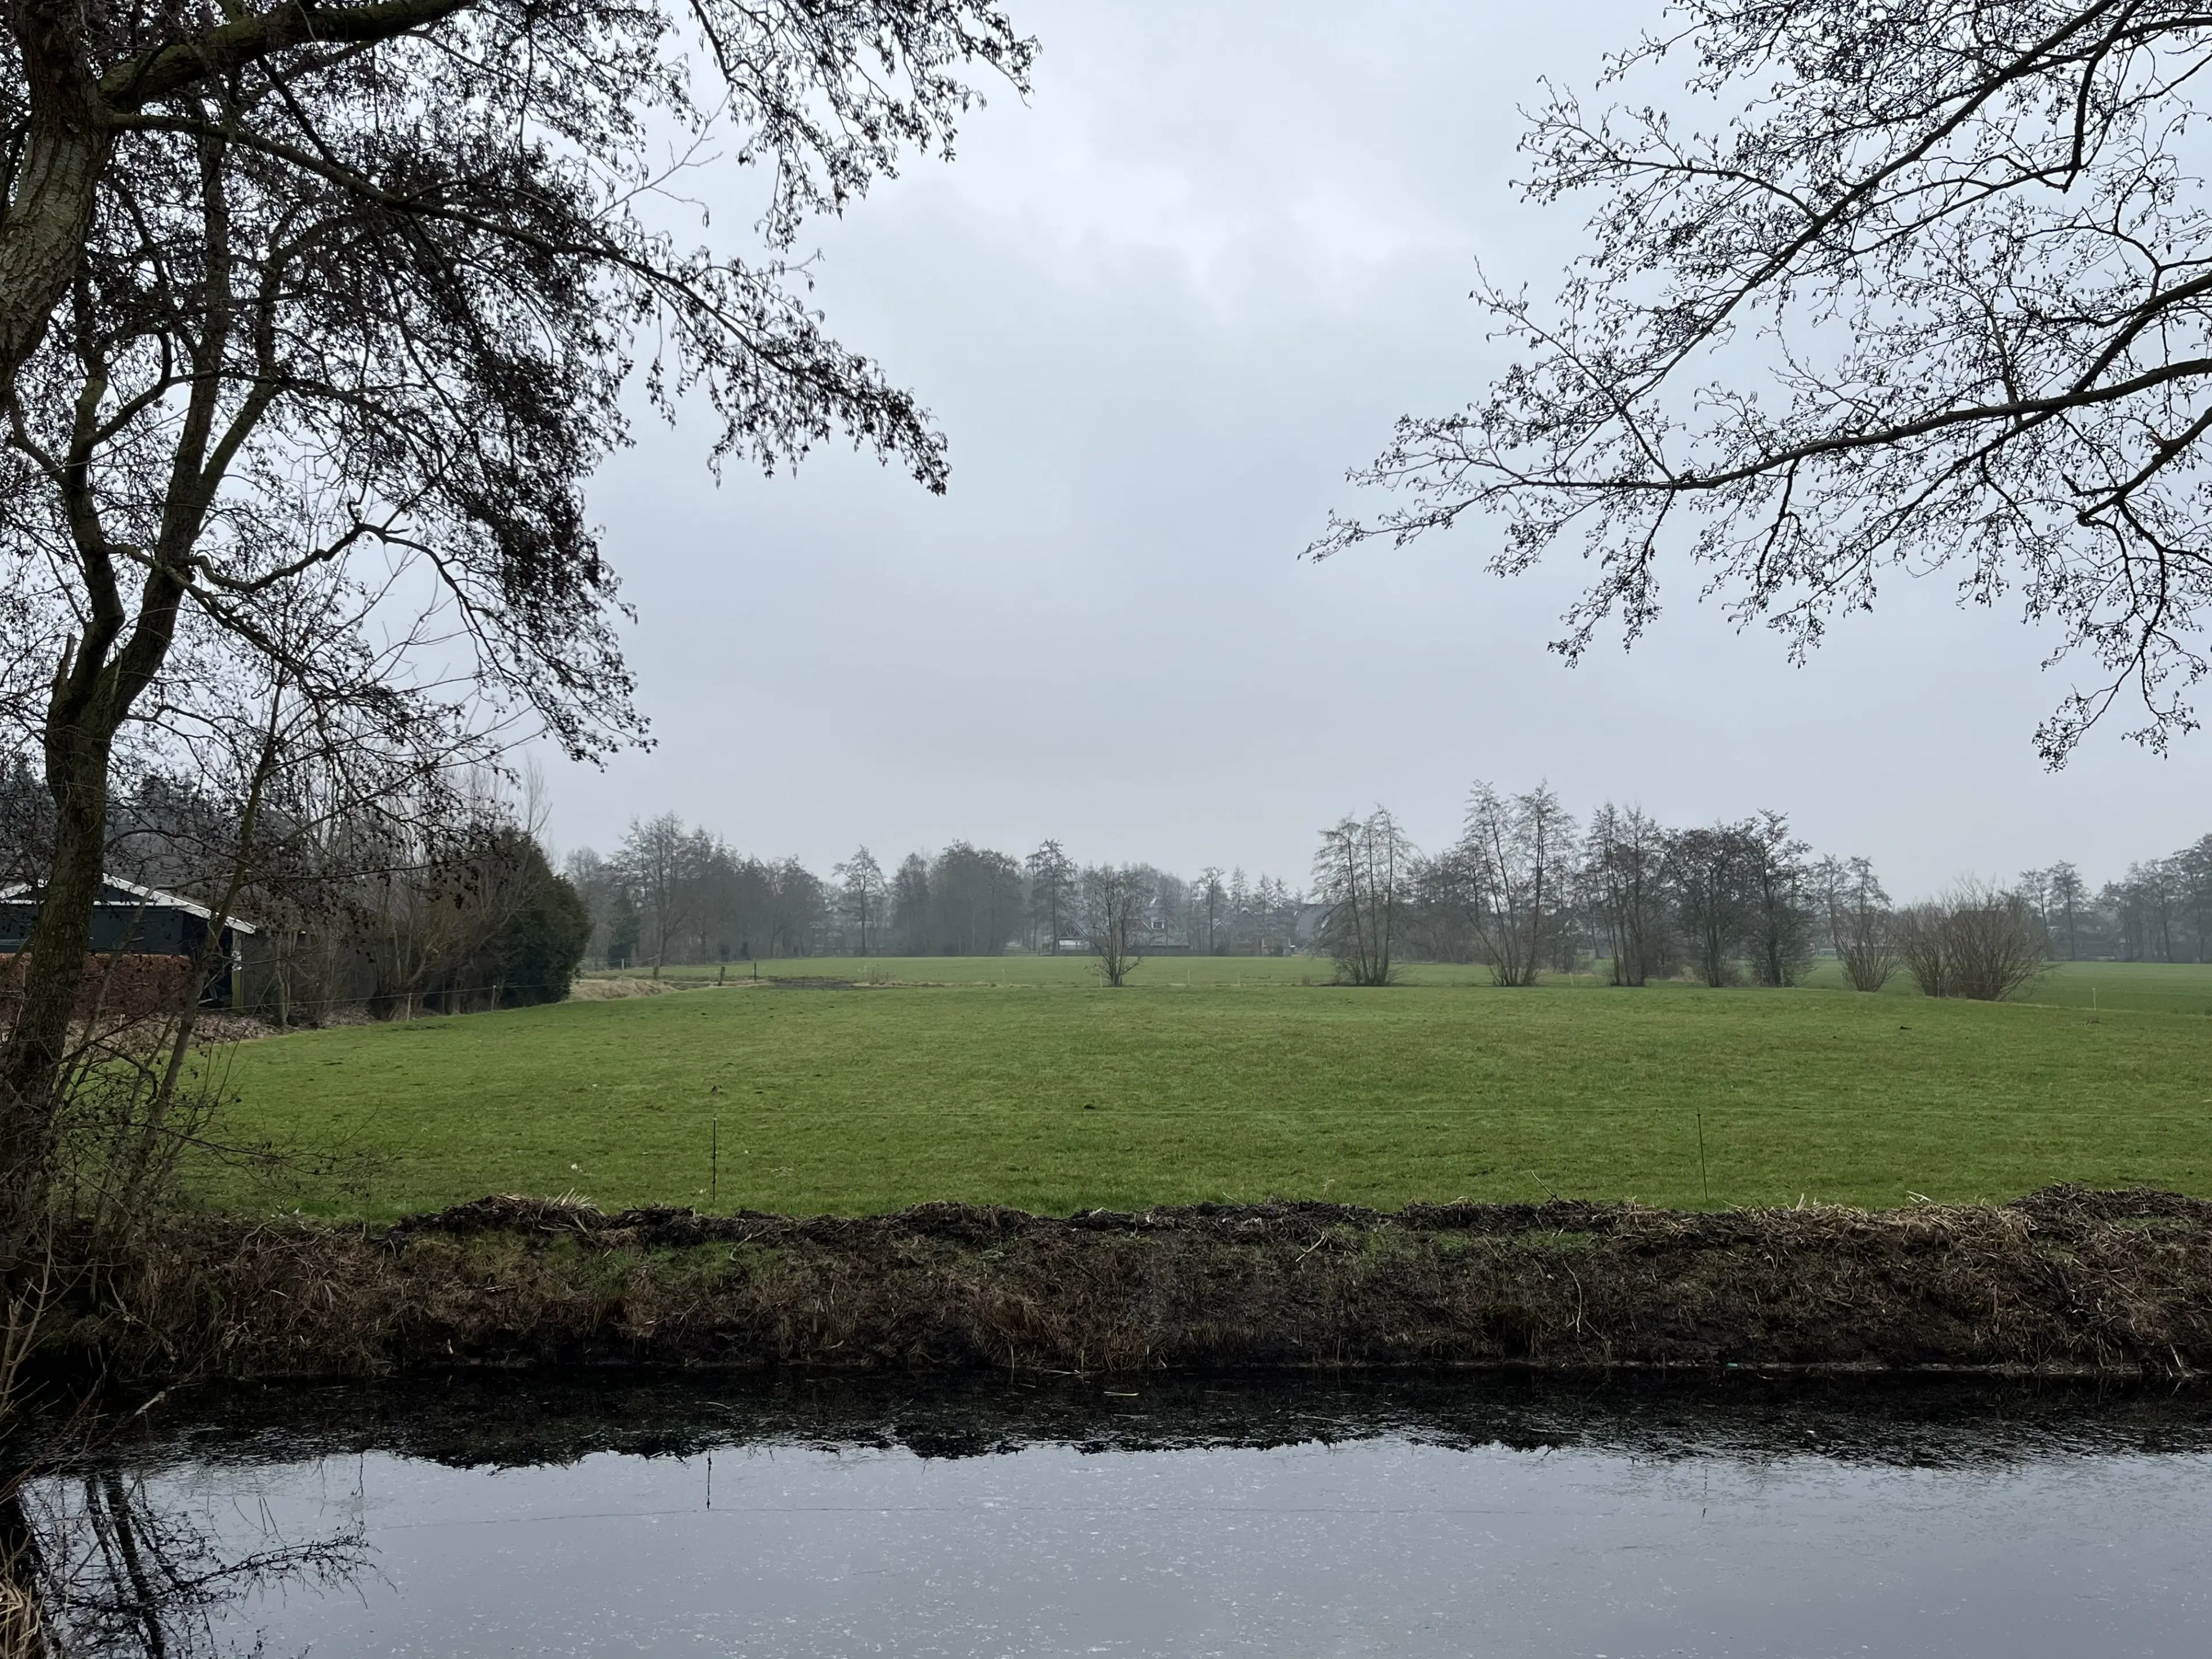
483 1417
2064 1281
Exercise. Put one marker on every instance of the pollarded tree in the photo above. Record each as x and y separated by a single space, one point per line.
1977 941
1779 912
1997 946
1362 872
1861 927
337 306
1626 869
1517 854
1933 293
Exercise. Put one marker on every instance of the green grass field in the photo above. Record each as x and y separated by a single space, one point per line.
1019 1081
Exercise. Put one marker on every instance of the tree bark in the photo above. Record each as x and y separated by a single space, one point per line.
46 222
30 1065
43 231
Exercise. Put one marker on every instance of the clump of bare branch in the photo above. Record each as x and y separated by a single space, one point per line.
1115 901
1932 294
1860 926
1516 852
1978 941
1361 873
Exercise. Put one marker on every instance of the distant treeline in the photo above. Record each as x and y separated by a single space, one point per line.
672 893
1526 886
442 898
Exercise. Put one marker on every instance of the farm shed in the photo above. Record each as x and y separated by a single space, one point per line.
129 919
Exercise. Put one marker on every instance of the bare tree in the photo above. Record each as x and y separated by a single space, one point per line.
1924 940
1861 928
863 891
94 1563
1115 901
1440 908
1625 852
2194 863
1978 940
1705 868
1780 922
975 900
1361 873
1518 852
910 904
1998 945
1928 294
660 860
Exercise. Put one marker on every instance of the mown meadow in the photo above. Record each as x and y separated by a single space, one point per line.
1020 1081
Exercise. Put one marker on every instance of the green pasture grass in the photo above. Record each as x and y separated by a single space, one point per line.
2183 988
1021 1081
2172 987
1061 971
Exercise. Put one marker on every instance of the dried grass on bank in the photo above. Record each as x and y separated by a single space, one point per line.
617 990
2064 1281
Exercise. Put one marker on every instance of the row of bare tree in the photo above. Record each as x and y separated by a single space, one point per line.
673 893
1525 888
2160 911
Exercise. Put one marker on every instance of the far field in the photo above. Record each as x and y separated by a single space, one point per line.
1019 1081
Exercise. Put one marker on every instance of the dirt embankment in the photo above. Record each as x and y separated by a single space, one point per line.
2064 1281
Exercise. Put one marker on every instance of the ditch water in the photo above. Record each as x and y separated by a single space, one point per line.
1439 1517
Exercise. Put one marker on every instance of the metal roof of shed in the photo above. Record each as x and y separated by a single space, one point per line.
140 897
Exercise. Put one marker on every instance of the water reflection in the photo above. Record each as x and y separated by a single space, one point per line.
1444 1517
101 1562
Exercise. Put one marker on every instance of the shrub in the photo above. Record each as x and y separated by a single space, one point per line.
1921 938
1978 941
543 944
1997 944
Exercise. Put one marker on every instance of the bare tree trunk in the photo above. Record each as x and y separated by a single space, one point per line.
49 215
31 1064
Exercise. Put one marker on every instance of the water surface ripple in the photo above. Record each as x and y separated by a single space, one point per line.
1438 1517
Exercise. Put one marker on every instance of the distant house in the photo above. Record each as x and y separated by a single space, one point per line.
1143 944
129 920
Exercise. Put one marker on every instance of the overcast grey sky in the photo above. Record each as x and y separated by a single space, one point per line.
1159 309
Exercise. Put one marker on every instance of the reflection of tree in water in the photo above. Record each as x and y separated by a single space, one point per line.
91 1566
